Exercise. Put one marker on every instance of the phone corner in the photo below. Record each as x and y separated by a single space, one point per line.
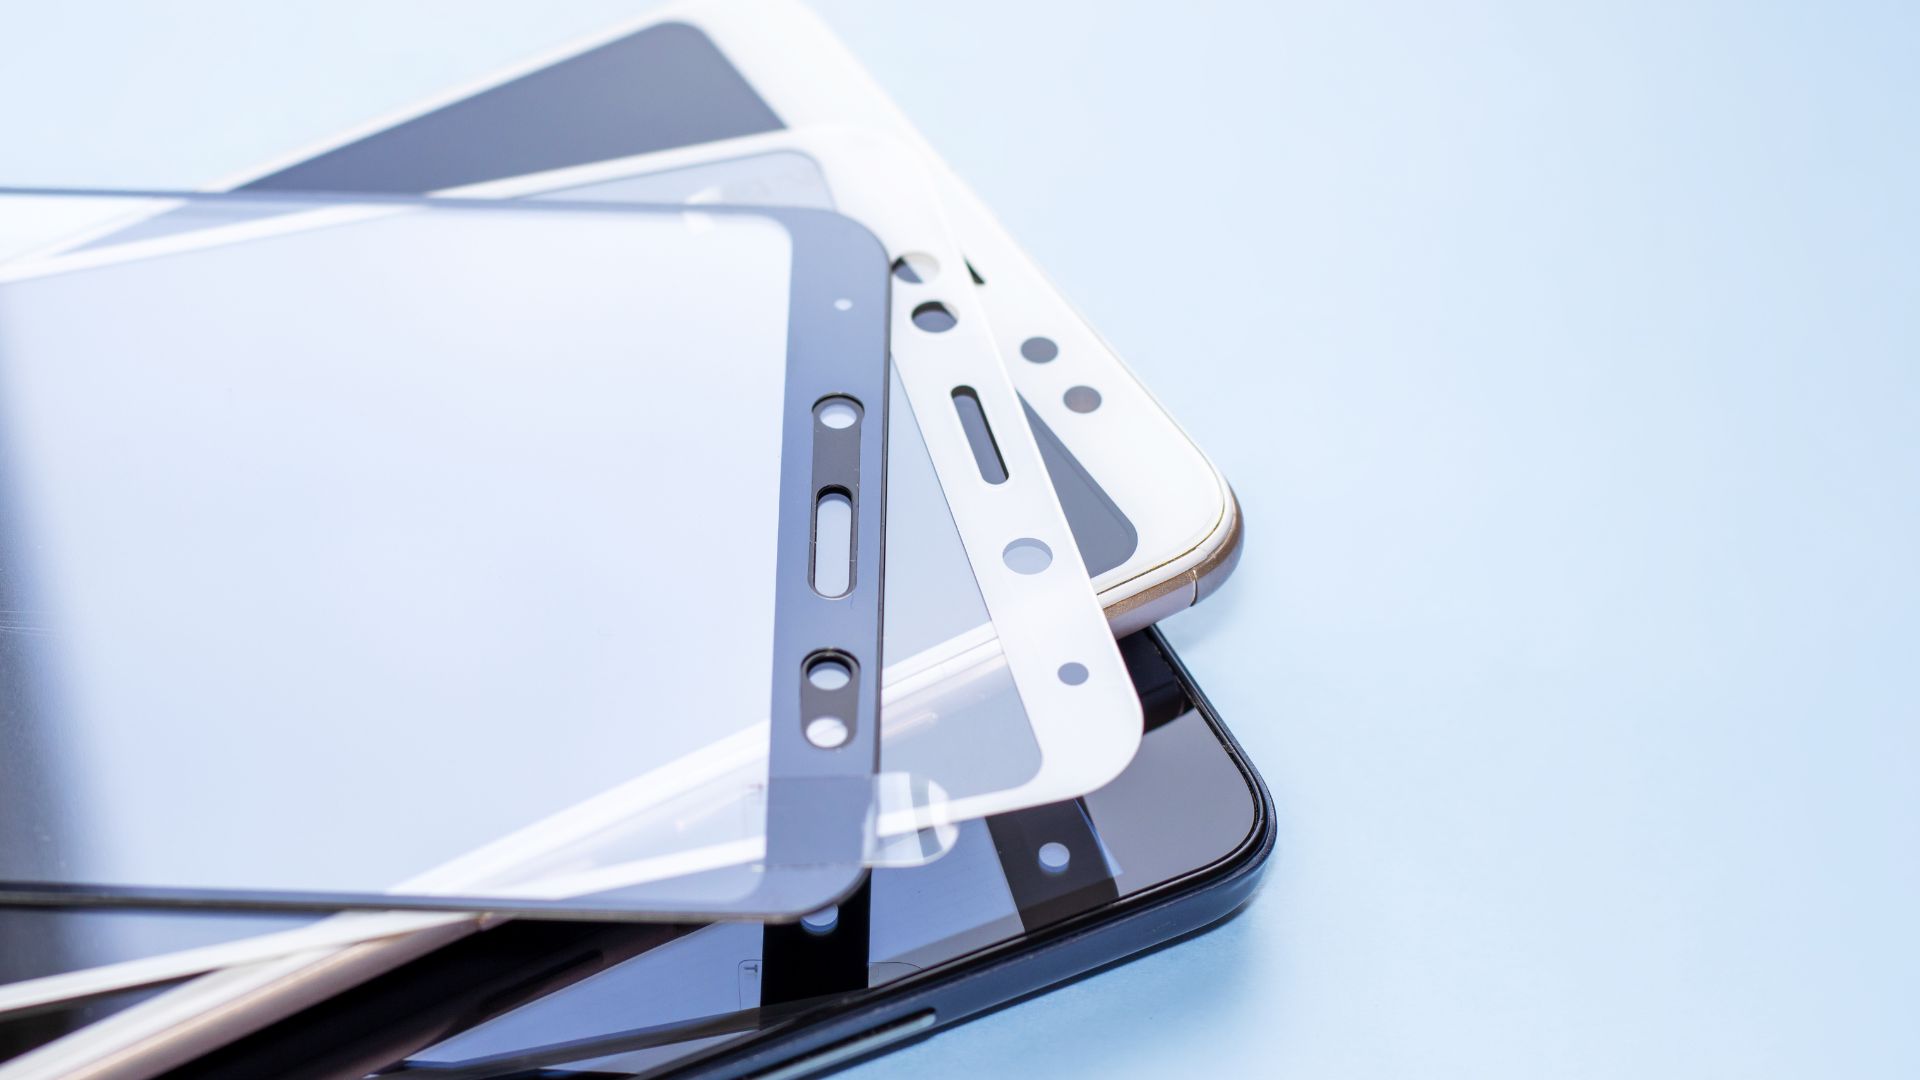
1215 557
1228 542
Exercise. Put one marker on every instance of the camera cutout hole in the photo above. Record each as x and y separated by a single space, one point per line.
1039 350
828 732
1054 857
916 268
829 672
1027 556
838 413
934 318
1082 399
1073 674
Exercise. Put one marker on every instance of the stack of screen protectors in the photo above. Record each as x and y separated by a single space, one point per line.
658 538
1001 690
444 555
985 715
526 556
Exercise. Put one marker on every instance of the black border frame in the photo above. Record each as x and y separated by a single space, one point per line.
817 800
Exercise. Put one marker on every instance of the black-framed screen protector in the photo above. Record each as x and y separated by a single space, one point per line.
454 555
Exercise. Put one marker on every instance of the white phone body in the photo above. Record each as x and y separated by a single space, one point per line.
1188 522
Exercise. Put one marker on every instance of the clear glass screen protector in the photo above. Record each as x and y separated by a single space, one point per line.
956 715
964 735
452 556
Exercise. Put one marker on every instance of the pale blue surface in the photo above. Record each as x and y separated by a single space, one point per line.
1565 358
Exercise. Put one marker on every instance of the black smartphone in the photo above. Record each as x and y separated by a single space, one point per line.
1022 902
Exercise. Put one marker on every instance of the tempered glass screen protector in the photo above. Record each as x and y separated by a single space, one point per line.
1003 688
448 555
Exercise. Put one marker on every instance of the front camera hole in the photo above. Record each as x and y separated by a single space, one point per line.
1039 350
1082 399
827 732
829 673
838 413
1027 556
934 318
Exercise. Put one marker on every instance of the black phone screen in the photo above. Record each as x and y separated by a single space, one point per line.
1182 806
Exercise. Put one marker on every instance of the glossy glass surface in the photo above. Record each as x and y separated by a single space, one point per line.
346 552
644 997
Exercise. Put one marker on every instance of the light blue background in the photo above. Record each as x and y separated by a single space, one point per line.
1566 360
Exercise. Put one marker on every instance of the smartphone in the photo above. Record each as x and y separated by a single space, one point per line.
1025 901
1157 524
